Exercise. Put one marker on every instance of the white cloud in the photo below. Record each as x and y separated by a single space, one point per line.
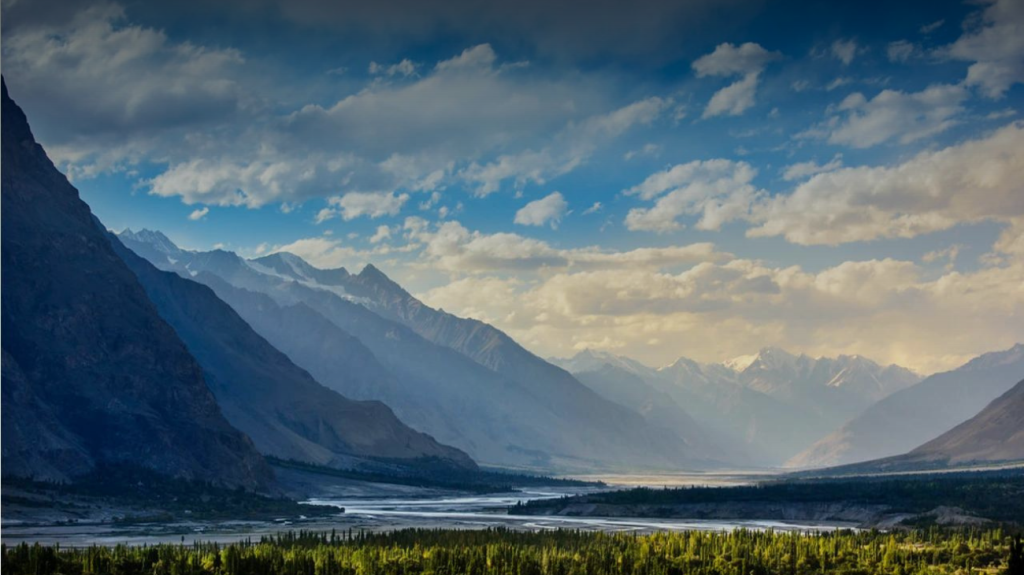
801 170
382 233
931 27
884 309
893 114
901 51
717 191
452 247
734 99
357 204
477 57
838 83
994 43
748 59
324 253
571 148
199 214
948 255
547 210
978 180
98 89
844 51
593 209
404 68
109 95
646 150
732 60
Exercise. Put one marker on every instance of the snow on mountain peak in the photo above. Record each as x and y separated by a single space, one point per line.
741 362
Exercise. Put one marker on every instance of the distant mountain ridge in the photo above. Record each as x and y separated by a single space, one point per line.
920 413
772 404
464 382
92 375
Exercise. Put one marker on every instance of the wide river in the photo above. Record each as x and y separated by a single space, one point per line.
378 513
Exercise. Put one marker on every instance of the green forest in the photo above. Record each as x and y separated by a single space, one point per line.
998 496
562 552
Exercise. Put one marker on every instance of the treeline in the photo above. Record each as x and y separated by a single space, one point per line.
504 552
998 496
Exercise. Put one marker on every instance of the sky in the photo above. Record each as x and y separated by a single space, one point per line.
654 179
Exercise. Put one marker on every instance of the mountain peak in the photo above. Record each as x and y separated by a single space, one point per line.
154 238
373 275
996 358
739 363
771 358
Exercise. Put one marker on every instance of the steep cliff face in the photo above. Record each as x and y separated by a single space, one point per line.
91 373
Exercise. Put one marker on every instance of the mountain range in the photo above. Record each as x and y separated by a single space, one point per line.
462 381
909 418
770 405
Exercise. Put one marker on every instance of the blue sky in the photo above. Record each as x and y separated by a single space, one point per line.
656 179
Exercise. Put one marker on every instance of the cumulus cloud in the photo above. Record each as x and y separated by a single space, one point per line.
646 150
717 191
108 94
885 309
801 170
323 252
572 147
844 51
404 68
895 115
732 60
748 60
199 214
734 99
978 180
452 247
98 88
382 233
548 210
901 51
994 44
358 204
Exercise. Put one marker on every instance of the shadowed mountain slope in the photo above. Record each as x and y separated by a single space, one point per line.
91 374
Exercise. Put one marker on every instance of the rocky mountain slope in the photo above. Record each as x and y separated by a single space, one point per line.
91 374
